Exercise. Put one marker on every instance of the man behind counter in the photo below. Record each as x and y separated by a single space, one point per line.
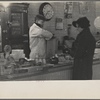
38 37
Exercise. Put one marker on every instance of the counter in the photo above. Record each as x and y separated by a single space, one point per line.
62 71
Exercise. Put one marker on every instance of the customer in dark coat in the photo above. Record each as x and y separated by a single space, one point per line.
83 50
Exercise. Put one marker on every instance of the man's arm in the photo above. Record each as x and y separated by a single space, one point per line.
46 34
35 32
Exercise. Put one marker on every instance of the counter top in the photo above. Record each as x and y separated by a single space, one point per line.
39 70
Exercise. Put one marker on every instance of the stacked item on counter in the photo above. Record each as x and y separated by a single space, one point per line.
13 66
61 59
97 54
17 63
9 62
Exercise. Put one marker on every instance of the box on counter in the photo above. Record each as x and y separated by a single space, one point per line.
6 71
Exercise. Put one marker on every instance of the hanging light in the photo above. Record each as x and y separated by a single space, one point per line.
2 8
5 4
97 22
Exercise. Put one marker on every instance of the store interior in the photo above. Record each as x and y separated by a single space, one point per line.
15 20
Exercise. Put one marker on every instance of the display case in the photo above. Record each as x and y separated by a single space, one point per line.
15 26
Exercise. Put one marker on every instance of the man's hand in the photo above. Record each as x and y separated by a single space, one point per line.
53 36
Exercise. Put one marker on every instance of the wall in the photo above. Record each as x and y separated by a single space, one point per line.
98 11
97 36
59 12
49 25
90 14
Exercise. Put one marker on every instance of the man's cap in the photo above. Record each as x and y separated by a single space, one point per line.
40 17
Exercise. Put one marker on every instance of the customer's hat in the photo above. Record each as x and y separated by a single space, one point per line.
83 22
40 17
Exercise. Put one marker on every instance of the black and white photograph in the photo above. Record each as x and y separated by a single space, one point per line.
49 41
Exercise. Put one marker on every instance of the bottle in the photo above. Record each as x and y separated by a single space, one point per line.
40 61
37 58
2 57
56 55
44 61
2 61
56 58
